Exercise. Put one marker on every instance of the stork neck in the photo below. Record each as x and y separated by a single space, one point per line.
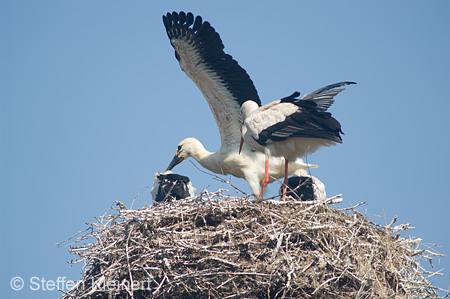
207 159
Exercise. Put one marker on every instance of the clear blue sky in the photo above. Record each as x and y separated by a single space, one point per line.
93 103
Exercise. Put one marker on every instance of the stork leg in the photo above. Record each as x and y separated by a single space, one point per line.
285 182
266 177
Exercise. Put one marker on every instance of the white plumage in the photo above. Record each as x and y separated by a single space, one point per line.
292 128
248 165
225 86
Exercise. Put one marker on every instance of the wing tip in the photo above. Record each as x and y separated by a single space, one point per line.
174 20
202 36
349 83
339 84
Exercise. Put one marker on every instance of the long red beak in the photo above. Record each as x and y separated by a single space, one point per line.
240 146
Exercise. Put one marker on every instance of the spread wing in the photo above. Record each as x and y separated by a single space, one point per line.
224 84
324 97
305 117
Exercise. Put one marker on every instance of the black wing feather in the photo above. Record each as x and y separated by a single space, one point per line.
189 19
291 97
313 124
310 120
323 97
207 41
197 23
182 18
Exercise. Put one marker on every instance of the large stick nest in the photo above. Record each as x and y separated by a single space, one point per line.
216 246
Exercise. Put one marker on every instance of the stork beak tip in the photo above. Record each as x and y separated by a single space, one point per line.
175 161
240 146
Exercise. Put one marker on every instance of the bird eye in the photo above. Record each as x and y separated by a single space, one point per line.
179 148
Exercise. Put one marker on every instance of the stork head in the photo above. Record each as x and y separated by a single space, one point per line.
189 147
248 107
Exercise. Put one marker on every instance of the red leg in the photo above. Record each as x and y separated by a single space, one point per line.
266 177
285 182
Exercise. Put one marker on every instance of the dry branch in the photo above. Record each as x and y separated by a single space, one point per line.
217 246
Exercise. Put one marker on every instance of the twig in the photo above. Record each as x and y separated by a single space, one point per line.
218 246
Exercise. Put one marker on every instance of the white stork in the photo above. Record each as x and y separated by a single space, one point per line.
226 86
292 128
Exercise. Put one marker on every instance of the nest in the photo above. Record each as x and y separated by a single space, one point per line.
217 246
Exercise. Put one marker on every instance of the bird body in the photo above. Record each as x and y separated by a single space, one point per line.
263 118
168 186
292 128
225 86
249 164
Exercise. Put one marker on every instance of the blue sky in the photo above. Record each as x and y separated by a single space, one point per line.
93 103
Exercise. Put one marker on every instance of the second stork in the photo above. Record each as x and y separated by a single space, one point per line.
291 128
